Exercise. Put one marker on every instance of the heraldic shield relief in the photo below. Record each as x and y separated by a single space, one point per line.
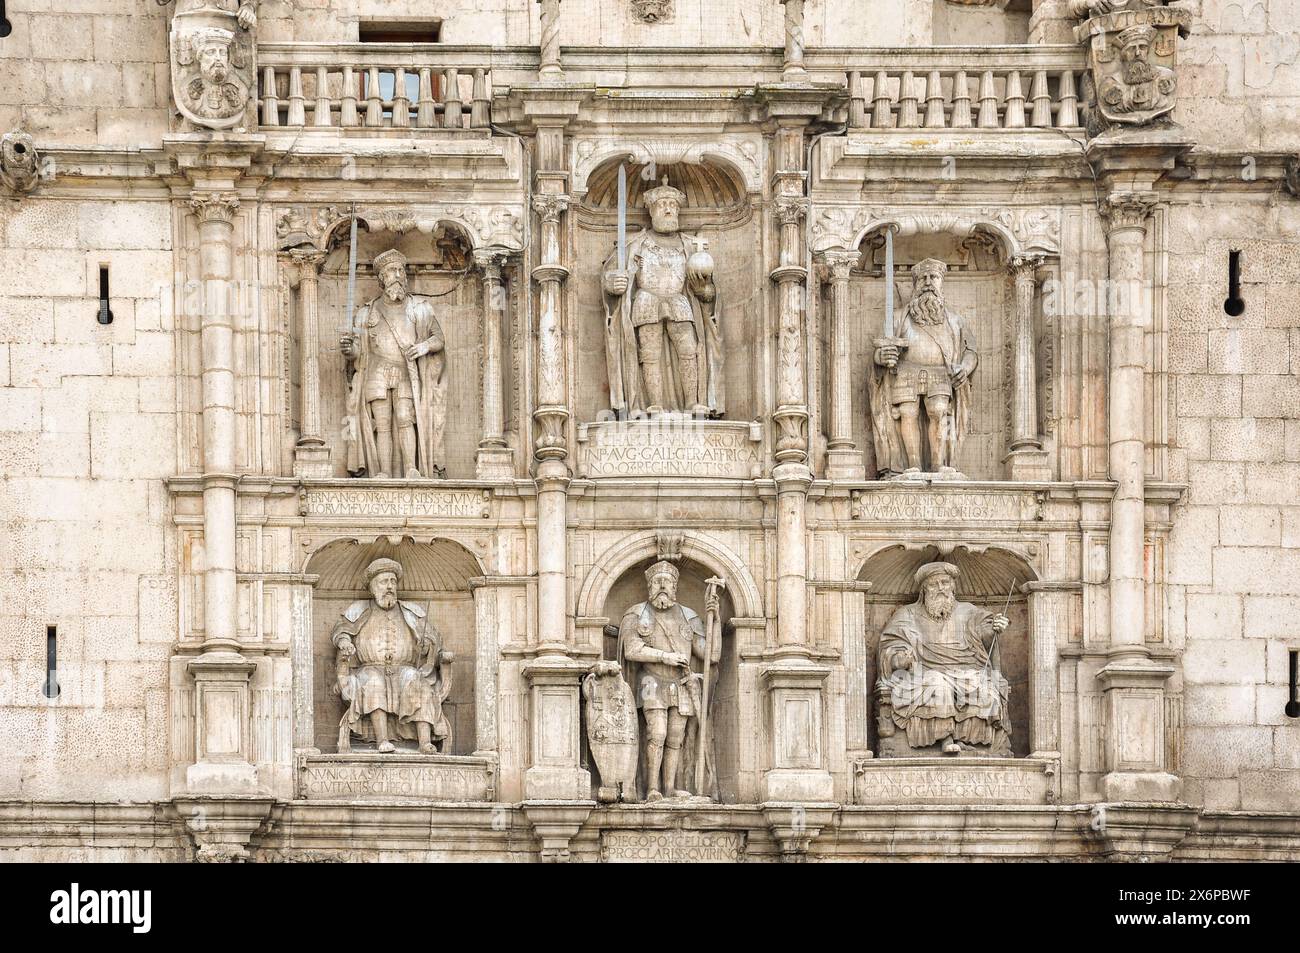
212 64
1132 55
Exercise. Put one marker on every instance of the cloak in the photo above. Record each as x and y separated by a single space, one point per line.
428 386
625 392
890 456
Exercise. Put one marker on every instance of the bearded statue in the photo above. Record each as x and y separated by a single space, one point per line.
940 686
925 371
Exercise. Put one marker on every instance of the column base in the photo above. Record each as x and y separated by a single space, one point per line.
845 463
494 464
1028 465
312 463
1141 787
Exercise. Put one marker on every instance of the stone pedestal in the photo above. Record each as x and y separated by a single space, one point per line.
798 771
222 746
1134 709
1028 465
554 772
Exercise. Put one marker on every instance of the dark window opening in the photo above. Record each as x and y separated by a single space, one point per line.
105 315
51 687
1235 306
399 31
1293 706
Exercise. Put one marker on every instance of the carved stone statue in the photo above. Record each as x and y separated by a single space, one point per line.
20 164
663 342
940 681
211 67
397 399
1132 49
391 669
1141 87
924 370
661 649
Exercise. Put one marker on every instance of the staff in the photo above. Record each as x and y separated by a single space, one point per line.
712 585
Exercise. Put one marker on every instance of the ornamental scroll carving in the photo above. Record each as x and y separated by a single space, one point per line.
307 226
1021 230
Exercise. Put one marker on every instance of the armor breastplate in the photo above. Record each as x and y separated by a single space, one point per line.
663 269
384 343
386 639
923 346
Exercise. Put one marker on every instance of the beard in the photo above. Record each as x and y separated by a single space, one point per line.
939 605
1138 71
387 600
661 600
926 308
395 290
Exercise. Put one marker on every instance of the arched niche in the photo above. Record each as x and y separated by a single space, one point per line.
439 266
719 208
628 590
436 576
617 581
991 577
977 286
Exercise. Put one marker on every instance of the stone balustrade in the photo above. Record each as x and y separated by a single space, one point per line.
372 86
986 93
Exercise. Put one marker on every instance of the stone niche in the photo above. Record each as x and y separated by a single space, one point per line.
718 210
630 589
440 267
977 288
985 581
436 577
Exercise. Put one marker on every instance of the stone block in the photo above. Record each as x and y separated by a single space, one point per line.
1272 482
1216 483
1247 438
1213 616
1218 705
1248 350
1250 526
126 447
76 321
1256 571
20 408
1209 395
152 354
1190 547
1223 661
138 224
45 365
1272 617
1222 751
1271 396
1188 352
1270 790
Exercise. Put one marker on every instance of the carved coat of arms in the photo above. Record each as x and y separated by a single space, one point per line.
212 66
1132 55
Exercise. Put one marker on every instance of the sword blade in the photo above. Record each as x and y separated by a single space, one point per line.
622 217
889 282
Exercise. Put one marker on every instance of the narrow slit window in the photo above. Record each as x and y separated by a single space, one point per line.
51 687
105 315
1293 705
1235 305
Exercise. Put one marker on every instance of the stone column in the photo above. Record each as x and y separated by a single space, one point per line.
311 457
221 674
551 70
1133 684
844 460
494 460
1026 459
793 69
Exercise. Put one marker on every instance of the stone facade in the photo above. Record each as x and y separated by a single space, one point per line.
192 201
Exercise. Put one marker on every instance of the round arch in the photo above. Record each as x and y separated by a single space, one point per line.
610 566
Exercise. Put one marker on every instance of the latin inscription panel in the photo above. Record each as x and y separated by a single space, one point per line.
722 449
379 777
649 847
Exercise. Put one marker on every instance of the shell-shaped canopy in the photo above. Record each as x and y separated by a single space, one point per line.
705 184
986 573
439 565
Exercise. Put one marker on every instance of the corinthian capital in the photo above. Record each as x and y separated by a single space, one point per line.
838 263
790 210
550 207
1128 209
214 206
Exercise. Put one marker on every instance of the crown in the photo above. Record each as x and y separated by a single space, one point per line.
929 266
662 193
392 256
662 568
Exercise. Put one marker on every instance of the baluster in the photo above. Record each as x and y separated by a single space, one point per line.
480 111
1067 117
451 100
1042 101
907 115
374 102
1014 117
934 100
401 105
882 116
426 111
988 102
348 103
297 104
961 101
270 102
857 101
320 115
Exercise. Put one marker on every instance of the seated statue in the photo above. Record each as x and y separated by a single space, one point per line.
939 676
391 669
